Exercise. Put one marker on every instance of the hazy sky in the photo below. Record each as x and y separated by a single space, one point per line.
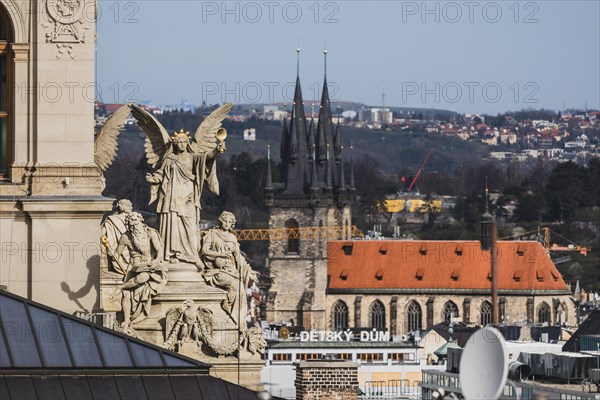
467 56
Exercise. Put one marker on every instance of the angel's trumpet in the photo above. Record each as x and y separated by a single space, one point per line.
221 135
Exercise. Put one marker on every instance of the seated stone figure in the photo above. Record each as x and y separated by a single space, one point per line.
147 271
113 227
226 268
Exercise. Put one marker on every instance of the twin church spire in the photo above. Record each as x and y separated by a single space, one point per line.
312 156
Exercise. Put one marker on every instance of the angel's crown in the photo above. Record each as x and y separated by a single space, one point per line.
180 134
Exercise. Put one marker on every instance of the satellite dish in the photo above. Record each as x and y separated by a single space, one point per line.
484 365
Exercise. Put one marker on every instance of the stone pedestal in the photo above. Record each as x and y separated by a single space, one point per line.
185 282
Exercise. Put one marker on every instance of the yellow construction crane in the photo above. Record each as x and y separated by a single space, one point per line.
321 232
555 247
548 246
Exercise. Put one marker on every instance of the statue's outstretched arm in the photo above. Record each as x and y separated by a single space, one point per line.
123 243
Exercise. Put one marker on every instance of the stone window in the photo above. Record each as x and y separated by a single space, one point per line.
293 245
543 313
486 313
413 316
450 310
377 315
340 316
5 98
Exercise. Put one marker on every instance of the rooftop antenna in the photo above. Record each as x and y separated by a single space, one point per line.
298 62
325 59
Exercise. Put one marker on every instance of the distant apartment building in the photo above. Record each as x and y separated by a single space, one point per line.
501 155
273 113
380 115
508 138
542 125
250 134
533 153
552 153
490 140
184 105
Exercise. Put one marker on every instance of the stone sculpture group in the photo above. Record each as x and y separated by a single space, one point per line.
142 256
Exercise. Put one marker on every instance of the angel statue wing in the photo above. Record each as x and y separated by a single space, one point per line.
106 145
204 138
157 138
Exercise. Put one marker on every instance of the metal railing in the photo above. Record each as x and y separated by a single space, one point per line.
391 389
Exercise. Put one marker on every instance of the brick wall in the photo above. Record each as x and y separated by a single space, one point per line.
326 380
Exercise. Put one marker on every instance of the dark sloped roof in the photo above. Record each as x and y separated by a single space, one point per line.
591 326
34 336
48 354
114 386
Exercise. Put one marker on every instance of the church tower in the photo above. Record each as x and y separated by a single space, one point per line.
312 194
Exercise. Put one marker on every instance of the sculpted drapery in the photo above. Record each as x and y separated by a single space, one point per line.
177 187
183 167
226 268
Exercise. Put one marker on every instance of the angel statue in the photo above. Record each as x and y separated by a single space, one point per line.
182 169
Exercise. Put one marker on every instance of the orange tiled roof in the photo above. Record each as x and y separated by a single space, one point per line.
387 264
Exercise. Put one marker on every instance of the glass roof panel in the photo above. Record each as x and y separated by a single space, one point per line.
177 362
185 388
75 387
131 387
3 389
21 387
159 388
239 392
114 350
212 388
4 359
103 387
145 356
48 387
19 335
81 340
50 337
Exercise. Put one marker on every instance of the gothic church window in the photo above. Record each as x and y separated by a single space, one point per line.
486 313
340 316
543 313
413 316
450 311
293 245
377 315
